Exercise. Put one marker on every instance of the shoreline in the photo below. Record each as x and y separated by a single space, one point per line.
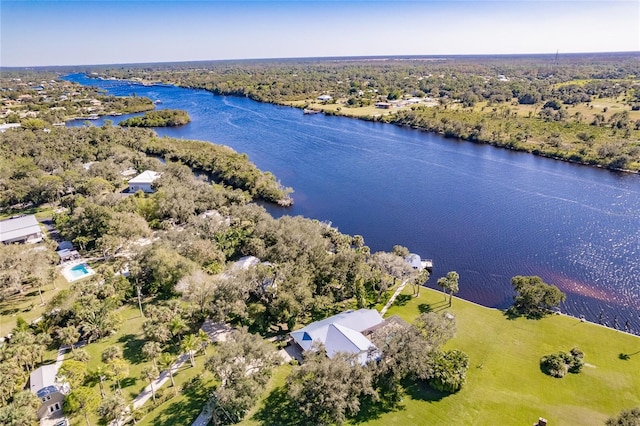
495 144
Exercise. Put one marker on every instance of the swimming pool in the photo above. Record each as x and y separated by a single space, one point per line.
77 272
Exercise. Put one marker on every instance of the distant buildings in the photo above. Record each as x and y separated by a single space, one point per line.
143 181
24 229
384 105
324 98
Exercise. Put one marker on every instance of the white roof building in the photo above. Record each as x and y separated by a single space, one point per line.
341 333
51 392
23 229
324 98
143 181
414 260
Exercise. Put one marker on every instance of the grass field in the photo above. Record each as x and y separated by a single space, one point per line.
28 305
504 384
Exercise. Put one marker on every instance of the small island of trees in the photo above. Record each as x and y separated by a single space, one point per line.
162 118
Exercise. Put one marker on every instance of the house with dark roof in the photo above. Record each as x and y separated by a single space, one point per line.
23 229
51 392
342 333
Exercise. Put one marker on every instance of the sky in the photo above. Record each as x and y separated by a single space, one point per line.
41 33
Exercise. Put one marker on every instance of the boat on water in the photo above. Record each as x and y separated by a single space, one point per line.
157 101
311 111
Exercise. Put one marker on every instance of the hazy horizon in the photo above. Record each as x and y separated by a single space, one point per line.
85 33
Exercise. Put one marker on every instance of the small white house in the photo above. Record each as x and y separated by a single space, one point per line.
143 181
417 263
324 98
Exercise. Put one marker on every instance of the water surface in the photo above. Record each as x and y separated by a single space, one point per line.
485 212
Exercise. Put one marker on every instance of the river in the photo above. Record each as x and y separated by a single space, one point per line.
485 212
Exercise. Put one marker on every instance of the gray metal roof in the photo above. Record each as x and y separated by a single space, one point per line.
43 380
12 229
148 176
340 333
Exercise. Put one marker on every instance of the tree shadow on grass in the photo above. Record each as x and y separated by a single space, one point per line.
278 409
372 410
128 381
512 313
420 390
402 299
132 350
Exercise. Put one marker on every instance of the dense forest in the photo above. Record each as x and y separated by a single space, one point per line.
579 108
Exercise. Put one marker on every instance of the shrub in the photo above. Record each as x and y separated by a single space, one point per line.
558 364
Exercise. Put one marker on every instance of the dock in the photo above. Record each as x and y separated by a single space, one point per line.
427 264
311 111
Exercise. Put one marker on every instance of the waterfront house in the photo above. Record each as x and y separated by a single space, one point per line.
23 229
383 105
324 98
51 392
413 260
143 182
341 333
417 263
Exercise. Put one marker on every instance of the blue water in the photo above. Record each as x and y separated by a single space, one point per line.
485 212
79 271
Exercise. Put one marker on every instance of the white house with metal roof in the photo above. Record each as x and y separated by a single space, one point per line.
24 229
143 181
51 392
342 333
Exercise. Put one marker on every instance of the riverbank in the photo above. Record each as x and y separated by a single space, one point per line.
469 125
607 137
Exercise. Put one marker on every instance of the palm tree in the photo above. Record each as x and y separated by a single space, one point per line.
151 350
205 340
81 355
150 373
120 370
68 336
449 283
177 326
111 352
101 373
166 362
111 408
190 344
420 278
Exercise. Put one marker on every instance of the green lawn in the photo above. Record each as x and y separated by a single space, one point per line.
504 382
181 409
28 305
186 406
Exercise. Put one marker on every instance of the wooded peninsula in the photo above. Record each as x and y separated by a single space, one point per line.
162 118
